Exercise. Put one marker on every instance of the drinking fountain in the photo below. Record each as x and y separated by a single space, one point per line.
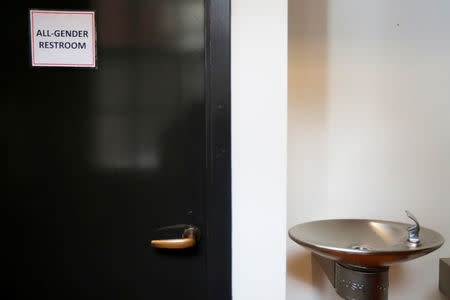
356 254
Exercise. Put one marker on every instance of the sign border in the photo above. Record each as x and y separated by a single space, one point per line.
90 12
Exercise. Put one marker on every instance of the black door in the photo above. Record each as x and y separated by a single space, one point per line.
102 161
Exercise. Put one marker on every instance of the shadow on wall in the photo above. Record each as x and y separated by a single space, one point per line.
308 62
299 267
307 125
307 106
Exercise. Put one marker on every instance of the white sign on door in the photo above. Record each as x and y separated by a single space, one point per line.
63 38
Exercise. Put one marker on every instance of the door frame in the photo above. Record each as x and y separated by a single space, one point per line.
218 148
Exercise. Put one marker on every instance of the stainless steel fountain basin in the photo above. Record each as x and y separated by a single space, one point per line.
364 243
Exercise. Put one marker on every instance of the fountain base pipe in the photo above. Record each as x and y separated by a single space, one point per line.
356 283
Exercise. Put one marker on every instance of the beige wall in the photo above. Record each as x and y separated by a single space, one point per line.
369 127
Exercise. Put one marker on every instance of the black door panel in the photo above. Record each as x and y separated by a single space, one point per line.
99 159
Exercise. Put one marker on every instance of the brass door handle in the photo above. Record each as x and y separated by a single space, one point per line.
191 236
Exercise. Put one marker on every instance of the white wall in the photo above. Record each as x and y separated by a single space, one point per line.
369 127
259 150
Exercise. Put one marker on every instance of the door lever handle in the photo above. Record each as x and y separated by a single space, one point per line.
191 236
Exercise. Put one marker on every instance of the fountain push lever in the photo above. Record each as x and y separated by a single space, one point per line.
413 230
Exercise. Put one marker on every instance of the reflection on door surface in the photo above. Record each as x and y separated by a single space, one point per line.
99 159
